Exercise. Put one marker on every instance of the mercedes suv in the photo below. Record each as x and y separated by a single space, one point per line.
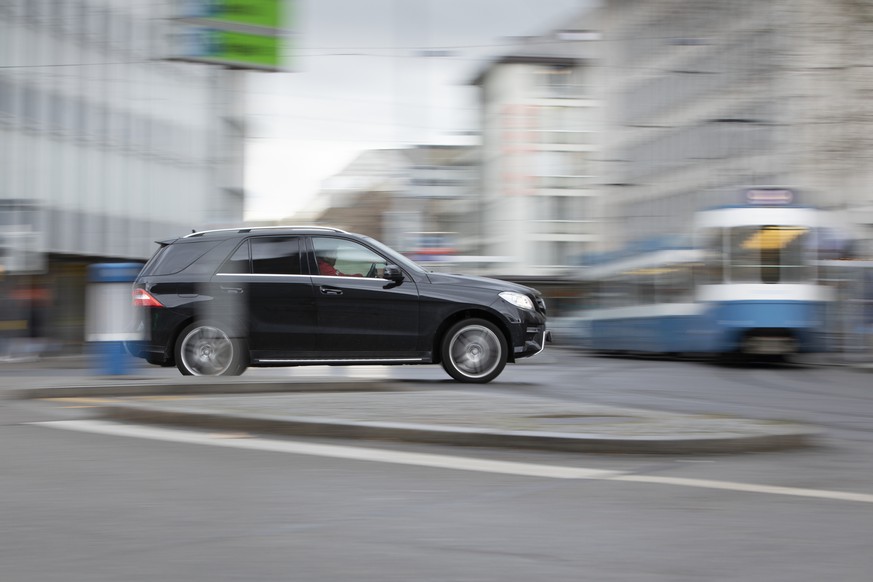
215 302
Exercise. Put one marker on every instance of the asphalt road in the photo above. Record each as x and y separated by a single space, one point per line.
196 506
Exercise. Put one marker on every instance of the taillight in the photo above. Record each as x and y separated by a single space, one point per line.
142 298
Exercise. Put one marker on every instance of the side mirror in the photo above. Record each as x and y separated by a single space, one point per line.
393 273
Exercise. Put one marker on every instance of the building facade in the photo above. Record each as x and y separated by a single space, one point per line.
435 218
539 125
419 200
104 146
361 195
704 98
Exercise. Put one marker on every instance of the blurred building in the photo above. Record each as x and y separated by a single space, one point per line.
435 218
358 197
104 147
418 200
704 97
539 126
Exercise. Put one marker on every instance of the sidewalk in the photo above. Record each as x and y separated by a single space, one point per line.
393 410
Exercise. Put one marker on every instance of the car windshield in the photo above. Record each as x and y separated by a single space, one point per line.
401 260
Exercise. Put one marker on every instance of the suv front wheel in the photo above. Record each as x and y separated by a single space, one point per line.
474 350
207 350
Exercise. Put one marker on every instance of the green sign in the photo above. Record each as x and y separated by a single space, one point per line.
237 47
227 47
265 13
235 33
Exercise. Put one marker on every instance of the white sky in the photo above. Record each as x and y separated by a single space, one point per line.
359 82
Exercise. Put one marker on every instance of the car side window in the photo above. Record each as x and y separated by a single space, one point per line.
276 255
344 258
175 258
238 262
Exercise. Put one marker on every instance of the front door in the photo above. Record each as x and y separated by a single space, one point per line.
360 314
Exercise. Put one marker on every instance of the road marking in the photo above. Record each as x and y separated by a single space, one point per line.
231 435
156 397
435 461
747 487
80 400
335 451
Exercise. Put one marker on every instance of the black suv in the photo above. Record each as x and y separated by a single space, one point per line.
216 302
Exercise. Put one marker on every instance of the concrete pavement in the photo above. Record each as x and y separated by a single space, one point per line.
442 413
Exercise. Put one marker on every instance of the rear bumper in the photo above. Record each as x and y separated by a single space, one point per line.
151 353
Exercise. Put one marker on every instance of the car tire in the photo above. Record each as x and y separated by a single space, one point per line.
204 349
474 350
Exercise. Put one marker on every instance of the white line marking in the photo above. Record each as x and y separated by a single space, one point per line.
435 461
747 487
339 452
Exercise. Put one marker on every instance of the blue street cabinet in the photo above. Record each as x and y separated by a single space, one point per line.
109 316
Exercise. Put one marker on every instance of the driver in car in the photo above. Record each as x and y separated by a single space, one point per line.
326 261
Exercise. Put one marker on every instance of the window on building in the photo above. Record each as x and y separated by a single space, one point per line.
543 207
6 98
32 106
560 81
545 253
580 208
555 77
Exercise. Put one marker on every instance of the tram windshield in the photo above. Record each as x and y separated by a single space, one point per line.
769 254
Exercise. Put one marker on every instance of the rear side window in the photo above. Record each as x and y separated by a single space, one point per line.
238 262
276 255
147 269
173 258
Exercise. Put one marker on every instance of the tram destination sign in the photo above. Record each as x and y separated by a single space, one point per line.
770 196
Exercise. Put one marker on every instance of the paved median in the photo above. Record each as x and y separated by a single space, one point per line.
407 412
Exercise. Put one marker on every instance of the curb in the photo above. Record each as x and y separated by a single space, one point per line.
788 437
207 387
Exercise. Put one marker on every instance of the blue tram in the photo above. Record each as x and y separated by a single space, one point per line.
747 281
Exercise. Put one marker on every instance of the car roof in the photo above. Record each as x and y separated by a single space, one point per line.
265 229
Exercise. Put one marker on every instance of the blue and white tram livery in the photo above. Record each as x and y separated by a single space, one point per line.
748 282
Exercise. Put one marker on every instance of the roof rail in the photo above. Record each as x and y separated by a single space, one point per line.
252 228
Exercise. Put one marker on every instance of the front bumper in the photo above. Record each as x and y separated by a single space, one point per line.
534 341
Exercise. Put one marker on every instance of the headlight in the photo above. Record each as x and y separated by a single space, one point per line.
517 299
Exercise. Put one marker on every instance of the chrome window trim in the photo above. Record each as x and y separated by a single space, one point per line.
259 275
380 279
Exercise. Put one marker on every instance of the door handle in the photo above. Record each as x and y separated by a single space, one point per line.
232 290
331 291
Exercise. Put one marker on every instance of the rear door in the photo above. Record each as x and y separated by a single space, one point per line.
267 279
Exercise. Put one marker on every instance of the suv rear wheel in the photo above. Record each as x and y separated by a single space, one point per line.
474 350
207 350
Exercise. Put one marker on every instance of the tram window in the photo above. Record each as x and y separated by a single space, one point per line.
711 272
613 293
795 254
674 284
645 289
745 255
769 254
624 292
